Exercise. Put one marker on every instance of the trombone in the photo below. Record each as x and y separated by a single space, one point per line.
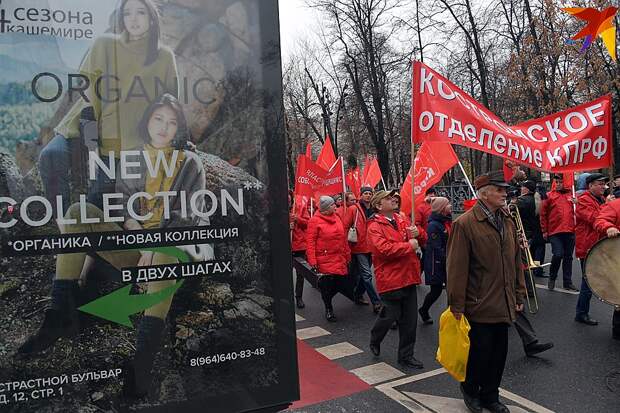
532 297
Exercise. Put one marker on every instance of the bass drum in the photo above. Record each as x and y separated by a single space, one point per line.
602 270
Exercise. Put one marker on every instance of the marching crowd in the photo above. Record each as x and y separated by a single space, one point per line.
367 246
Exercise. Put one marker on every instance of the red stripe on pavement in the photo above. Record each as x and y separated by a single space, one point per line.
320 379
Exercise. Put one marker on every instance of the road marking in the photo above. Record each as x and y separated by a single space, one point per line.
558 289
441 404
424 403
377 373
340 350
311 332
524 402
299 318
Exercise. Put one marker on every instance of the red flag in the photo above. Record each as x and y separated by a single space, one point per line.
372 174
333 183
569 179
468 204
312 180
366 165
309 176
309 151
354 181
508 172
326 158
432 161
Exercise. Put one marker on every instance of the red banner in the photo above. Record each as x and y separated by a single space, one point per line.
431 163
576 139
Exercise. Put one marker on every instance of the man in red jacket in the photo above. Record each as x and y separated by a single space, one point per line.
588 207
557 222
608 223
360 254
397 270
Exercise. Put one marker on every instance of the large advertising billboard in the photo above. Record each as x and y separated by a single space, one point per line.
145 256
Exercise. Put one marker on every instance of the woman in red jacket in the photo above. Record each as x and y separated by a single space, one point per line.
328 252
298 220
397 271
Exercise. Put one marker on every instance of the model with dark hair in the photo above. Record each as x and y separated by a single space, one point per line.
164 133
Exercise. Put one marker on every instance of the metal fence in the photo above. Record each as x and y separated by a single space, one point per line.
456 193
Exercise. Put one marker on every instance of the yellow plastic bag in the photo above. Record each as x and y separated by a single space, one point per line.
453 350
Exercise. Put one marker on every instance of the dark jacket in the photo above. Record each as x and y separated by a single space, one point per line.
529 218
485 276
435 253
190 179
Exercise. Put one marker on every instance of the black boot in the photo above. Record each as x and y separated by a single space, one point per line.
60 320
300 302
329 314
137 374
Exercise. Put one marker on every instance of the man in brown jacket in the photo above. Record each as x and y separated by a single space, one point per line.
485 283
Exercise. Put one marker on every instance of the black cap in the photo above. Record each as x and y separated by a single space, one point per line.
558 177
431 190
596 177
495 178
531 185
616 176
366 189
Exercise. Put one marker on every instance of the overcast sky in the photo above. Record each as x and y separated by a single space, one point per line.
296 21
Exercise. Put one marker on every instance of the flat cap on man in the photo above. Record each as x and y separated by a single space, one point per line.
495 178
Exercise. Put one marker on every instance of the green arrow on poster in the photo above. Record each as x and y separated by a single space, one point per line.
119 305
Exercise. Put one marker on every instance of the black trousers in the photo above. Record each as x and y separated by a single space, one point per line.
487 358
615 323
330 285
432 296
525 329
400 305
299 280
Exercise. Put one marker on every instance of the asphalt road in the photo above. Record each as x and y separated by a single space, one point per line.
580 374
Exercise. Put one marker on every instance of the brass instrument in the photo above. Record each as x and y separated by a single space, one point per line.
532 298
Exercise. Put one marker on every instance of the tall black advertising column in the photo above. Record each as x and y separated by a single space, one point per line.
144 247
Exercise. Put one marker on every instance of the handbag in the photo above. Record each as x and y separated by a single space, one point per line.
352 236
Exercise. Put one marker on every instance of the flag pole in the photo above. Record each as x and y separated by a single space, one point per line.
467 180
383 182
311 206
413 156
574 199
344 184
